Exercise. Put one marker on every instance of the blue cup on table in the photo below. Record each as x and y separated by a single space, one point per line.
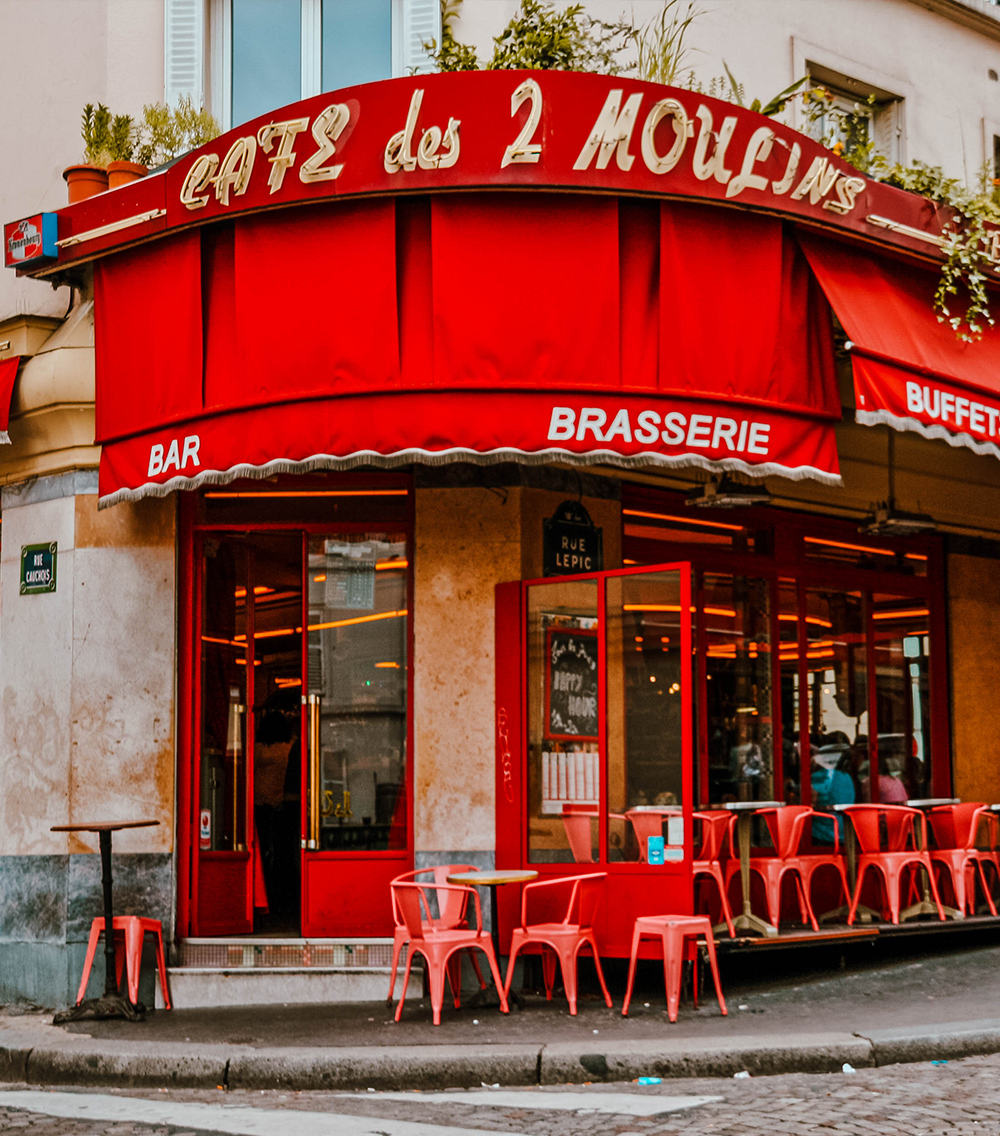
654 850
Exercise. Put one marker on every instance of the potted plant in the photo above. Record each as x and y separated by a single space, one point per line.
122 139
89 177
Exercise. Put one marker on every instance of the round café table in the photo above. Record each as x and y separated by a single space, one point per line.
493 878
111 1004
744 810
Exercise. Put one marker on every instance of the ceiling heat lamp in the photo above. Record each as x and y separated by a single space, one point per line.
885 519
726 493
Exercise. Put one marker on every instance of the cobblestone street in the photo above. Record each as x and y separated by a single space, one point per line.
956 1097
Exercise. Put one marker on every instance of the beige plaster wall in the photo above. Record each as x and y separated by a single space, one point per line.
974 619
36 662
467 541
87 711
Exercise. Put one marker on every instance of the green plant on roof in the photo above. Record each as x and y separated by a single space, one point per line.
167 132
163 133
106 137
537 38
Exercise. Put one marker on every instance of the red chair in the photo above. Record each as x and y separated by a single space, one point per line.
811 862
715 826
576 821
955 828
679 935
786 827
450 915
903 849
439 945
566 936
990 855
130 932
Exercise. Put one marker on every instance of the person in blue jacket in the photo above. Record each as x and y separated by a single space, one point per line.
830 786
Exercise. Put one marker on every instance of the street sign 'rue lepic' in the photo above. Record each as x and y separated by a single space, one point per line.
38 568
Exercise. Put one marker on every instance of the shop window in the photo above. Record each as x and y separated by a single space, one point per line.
648 531
789 622
263 54
564 766
645 736
901 646
874 557
836 669
733 630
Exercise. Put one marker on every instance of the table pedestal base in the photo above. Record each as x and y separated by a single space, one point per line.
929 907
750 922
862 915
107 1006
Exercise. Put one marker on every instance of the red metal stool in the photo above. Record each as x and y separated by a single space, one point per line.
679 935
132 930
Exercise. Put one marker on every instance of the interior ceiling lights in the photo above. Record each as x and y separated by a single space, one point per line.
886 520
725 493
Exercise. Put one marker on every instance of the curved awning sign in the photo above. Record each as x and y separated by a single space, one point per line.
484 328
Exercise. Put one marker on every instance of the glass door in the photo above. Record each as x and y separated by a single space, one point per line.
356 820
302 732
609 762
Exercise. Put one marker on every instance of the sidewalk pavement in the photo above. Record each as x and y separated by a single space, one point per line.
801 1012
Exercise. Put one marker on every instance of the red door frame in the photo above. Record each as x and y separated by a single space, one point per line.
638 888
191 532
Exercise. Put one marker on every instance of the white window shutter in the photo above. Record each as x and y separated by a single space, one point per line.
184 54
421 24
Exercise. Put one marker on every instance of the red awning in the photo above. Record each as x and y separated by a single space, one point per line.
910 369
483 328
8 373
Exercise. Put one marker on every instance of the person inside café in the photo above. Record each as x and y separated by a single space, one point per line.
831 785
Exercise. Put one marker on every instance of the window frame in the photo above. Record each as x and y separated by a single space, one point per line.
412 22
854 80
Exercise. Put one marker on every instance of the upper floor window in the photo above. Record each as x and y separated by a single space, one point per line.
853 115
263 54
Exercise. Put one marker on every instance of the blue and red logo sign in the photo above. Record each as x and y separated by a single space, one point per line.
30 240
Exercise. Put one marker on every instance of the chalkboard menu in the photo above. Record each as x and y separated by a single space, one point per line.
571 684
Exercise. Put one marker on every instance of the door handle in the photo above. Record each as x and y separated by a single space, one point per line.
314 779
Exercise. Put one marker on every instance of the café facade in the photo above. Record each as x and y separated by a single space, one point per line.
476 451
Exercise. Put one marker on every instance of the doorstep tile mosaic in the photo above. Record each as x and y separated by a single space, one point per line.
294 953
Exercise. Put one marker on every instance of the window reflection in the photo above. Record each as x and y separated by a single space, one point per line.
734 612
357 39
900 641
267 56
837 670
644 708
791 704
563 748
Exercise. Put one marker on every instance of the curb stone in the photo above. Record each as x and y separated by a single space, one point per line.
14 1063
624 1061
138 1066
398 1067
152 1064
894 1047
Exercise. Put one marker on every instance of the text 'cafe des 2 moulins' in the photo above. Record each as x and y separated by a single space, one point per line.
445 382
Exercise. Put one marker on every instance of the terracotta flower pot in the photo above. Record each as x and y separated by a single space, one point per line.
85 181
121 173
